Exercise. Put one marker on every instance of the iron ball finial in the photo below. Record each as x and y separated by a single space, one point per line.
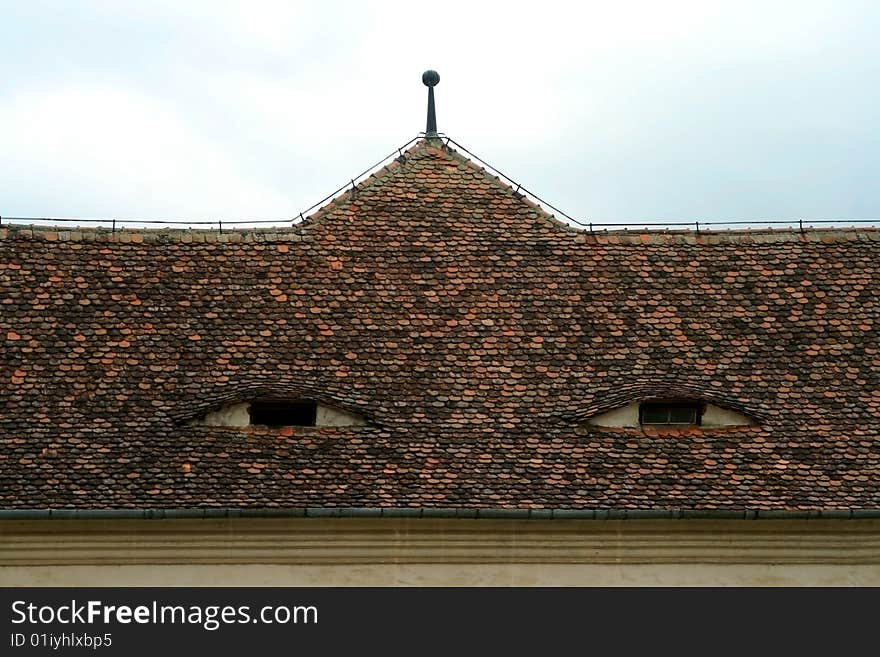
430 78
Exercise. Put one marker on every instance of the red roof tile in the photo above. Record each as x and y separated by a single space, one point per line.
474 330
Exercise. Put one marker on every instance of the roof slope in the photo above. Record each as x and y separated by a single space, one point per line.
476 333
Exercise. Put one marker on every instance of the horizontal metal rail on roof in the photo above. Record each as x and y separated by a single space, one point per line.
219 223
800 224
462 513
795 224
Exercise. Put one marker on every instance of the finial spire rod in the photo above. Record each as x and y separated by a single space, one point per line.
430 80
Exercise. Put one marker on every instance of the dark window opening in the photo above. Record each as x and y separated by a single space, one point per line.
284 413
677 413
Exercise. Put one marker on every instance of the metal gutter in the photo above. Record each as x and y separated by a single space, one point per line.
404 512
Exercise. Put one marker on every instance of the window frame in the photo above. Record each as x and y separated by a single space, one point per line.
278 407
671 405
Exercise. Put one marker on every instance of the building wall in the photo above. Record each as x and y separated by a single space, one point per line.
444 575
417 552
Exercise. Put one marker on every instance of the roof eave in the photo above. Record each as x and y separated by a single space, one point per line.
463 513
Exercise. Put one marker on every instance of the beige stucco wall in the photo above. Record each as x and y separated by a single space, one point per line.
400 551
444 575
329 416
715 416
233 415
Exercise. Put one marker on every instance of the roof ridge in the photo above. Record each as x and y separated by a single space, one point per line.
435 145
508 189
136 235
379 174
673 231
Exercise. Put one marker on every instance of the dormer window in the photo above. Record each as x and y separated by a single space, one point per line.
284 414
275 413
672 413
675 413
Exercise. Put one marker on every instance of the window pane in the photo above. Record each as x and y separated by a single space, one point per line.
283 414
670 413
655 414
683 415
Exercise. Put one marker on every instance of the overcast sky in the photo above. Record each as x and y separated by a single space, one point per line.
612 111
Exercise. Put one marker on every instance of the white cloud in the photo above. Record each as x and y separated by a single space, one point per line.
195 109
98 151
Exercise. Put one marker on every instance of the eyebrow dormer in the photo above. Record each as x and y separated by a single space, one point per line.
280 413
671 412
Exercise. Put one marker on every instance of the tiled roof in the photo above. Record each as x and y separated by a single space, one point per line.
474 331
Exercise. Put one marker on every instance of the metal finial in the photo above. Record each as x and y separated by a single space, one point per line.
430 80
